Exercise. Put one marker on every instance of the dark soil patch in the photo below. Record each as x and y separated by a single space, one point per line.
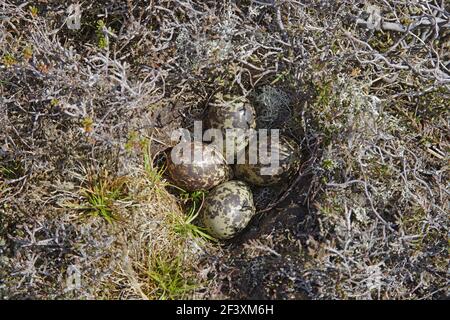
273 274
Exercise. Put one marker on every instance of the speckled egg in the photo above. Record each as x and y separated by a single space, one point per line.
289 162
196 166
232 114
228 209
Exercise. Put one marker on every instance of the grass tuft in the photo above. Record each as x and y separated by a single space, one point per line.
186 226
170 279
102 194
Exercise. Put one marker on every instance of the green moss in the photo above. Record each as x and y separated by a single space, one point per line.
328 164
433 106
102 41
379 171
54 102
27 53
414 222
381 41
331 206
9 60
88 124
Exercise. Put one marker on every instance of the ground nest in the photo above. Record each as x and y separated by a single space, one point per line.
255 270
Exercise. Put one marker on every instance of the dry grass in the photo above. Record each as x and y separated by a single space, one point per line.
110 245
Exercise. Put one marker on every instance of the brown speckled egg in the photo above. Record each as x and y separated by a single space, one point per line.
289 162
234 114
191 173
228 209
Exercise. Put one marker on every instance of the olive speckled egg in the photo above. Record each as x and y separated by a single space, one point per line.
228 209
264 174
234 115
197 166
